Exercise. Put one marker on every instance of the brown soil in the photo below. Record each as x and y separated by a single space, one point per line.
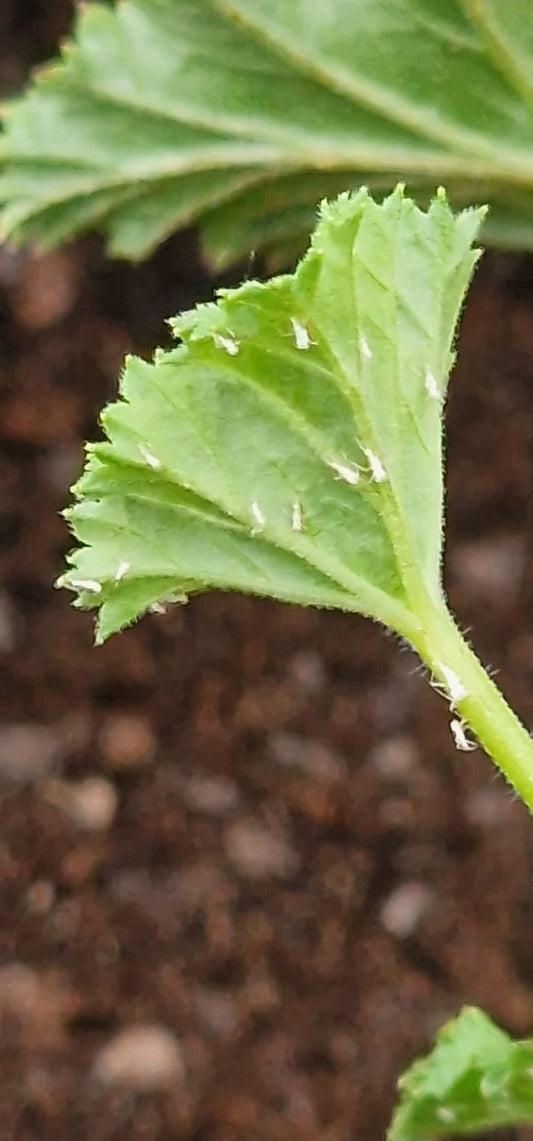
281 861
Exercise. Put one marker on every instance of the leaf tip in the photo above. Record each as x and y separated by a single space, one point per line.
340 209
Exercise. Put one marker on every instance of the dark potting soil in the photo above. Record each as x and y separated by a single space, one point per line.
245 876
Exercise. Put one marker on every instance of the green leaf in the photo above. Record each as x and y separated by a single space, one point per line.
291 445
475 1078
160 112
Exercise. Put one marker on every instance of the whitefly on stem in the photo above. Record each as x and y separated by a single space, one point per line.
462 742
455 689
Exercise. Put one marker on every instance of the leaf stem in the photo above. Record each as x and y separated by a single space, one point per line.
475 697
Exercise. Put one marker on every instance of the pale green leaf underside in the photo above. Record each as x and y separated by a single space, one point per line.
161 112
291 445
475 1078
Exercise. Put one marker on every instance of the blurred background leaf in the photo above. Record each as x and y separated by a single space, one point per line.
241 114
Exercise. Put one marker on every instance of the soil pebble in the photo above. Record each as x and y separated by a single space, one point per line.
405 907
45 290
396 757
216 1009
127 741
307 669
28 751
309 755
40 897
141 1058
214 796
487 807
491 567
258 853
34 1005
91 803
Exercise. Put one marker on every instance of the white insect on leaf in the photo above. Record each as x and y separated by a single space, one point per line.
228 343
296 517
365 349
454 685
258 518
149 457
445 1113
161 607
89 584
431 385
377 471
122 569
344 471
302 339
463 743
